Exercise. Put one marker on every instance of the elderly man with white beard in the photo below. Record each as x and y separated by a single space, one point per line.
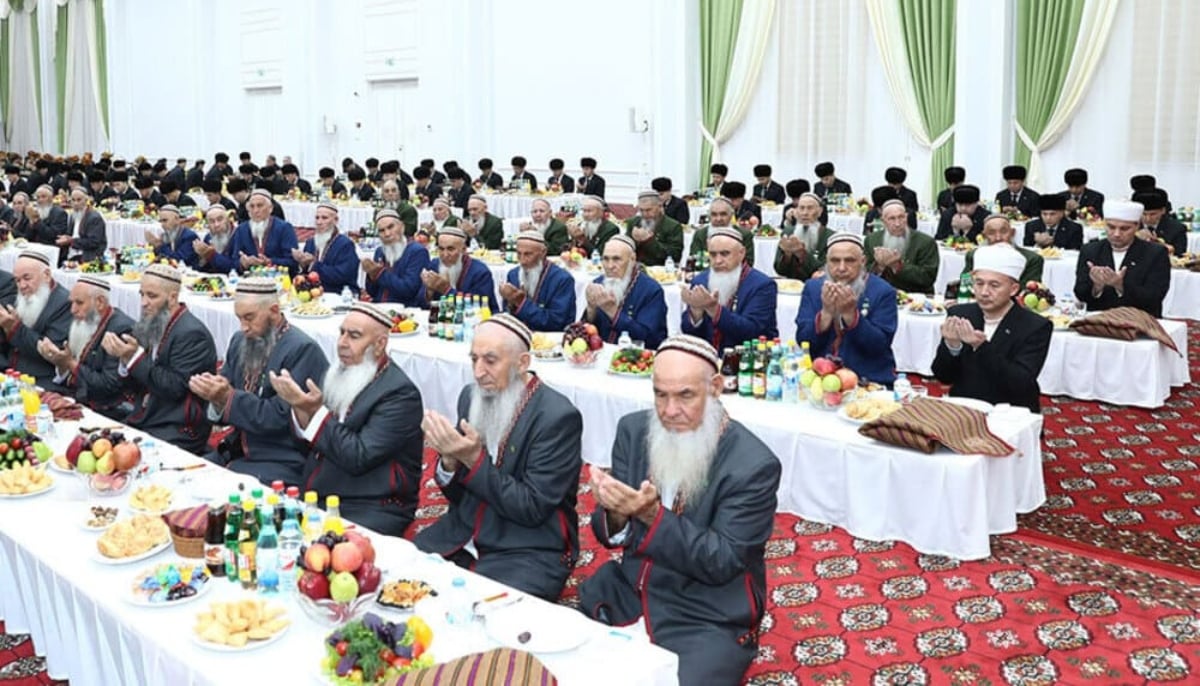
394 275
850 312
510 469
85 240
536 291
625 298
47 221
730 302
362 426
82 367
394 200
214 254
442 216
691 501
481 226
329 253
262 443
167 347
42 310
903 256
657 235
455 272
721 214
264 239
177 241
802 241
592 230
543 221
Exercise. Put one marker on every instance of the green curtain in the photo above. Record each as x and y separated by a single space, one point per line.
1046 33
102 57
5 73
719 21
61 38
929 44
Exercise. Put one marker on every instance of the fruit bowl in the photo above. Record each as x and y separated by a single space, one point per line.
108 485
331 612
829 385
584 359
834 400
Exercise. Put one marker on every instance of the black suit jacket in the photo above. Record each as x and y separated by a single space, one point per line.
772 192
1028 203
1089 198
92 240
1067 236
678 210
909 197
430 193
1173 233
591 185
1004 369
491 180
460 197
839 186
945 200
566 183
515 182
178 175
1147 276
49 229
195 178
945 230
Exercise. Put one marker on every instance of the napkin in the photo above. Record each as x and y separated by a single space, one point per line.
498 667
924 423
1123 323
190 522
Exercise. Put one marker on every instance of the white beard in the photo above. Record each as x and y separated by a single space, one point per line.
169 238
82 331
393 251
258 229
620 285
219 241
76 221
451 272
438 224
590 228
320 240
30 308
43 211
897 243
530 278
679 462
724 284
343 384
858 285
808 233
649 224
541 228
491 413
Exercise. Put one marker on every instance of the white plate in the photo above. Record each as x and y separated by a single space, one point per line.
414 332
548 632
143 510
252 645
972 403
96 556
53 465
841 413
134 598
311 316
923 313
14 496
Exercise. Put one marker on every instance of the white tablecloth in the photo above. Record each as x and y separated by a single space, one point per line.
771 216
51 588
350 217
854 224
123 232
1139 373
510 205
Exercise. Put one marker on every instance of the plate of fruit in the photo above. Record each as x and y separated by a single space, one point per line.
339 576
373 650
208 284
404 324
581 343
19 447
829 384
308 287
104 459
169 584
636 362
1036 296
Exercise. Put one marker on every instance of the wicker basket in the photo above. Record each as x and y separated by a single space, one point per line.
188 546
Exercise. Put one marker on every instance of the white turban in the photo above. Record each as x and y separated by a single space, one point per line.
1123 210
1002 259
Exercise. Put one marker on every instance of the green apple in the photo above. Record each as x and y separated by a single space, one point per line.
105 465
343 587
815 390
86 464
1031 301
43 451
831 383
1043 305
806 377
579 346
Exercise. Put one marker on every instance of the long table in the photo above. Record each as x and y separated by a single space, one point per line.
52 587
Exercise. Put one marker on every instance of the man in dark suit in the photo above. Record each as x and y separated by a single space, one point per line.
1147 182
965 218
460 189
683 473
590 183
147 193
488 178
1017 197
13 181
86 238
391 170
828 182
766 190
743 209
521 179
220 168
558 180
374 175
954 176
673 206
1159 226
359 188
1123 271
895 177
273 181
42 310
993 349
425 189
98 187
510 468
174 194
291 179
20 224
329 185
47 220
178 173
716 177
195 176
436 177
1078 195
1053 228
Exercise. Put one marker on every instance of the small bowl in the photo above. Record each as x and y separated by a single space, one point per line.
106 486
823 404
585 359
334 613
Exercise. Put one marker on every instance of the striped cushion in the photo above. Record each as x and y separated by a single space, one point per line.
1125 324
924 423
499 667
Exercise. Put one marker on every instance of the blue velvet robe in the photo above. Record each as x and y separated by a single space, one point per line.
750 314
339 267
182 250
221 262
476 279
643 313
280 240
553 307
866 345
401 282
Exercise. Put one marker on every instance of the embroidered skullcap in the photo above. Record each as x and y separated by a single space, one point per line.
697 347
532 235
35 255
625 240
844 237
168 208
383 214
328 205
514 325
257 285
453 231
165 272
97 281
374 312
263 192
726 232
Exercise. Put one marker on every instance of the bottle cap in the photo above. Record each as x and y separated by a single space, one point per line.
273 499
277 486
248 505
234 498
310 497
332 501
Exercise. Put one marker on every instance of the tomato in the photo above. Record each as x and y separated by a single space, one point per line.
387 655
16 443
340 648
401 662
3 448
418 649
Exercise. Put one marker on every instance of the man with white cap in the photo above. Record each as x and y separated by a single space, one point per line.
176 242
362 426
85 239
47 221
329 253
544 222
264 239
455 272
394 275
850 312
721 214
539 293
485 229
42 310
730 302
625 299
214 254
509 467
82 367
993 349
657 235
591 230
167 347
1123 271
903 256
691 501
803 240
442 216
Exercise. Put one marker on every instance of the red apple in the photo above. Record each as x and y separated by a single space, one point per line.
314 278
346 557
126 456
364 545
595 342
317 558
824 366
833 399
75 448
314 585
849 379
368 576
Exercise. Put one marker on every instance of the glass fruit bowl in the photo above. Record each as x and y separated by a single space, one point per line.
331 612
108 485
832 400
583 359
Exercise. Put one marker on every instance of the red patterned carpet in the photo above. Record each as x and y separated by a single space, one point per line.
1099 586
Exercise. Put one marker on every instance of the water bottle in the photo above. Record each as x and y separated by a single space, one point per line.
669 265
289 551
595 258
624 341
233 277
902 388
45 421
266 554
347 296
458 603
